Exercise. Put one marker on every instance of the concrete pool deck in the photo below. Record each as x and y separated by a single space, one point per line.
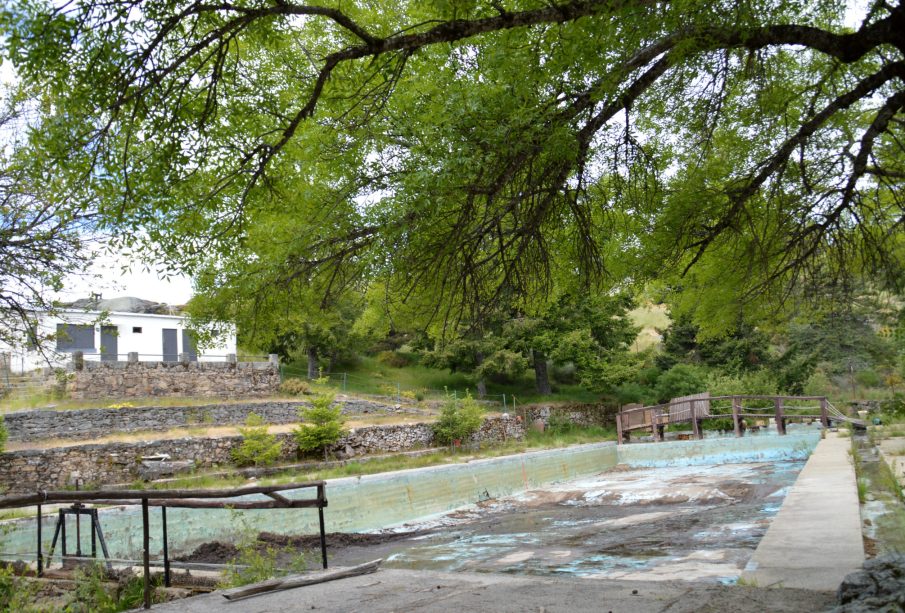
408 590
815 539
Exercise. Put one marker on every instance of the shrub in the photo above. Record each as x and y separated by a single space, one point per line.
256 561
631 392
92 593
818 384
16 594
323 425
295 387
680 380
4 434
393 359
868 378
758 383
459 419
560 423
258 448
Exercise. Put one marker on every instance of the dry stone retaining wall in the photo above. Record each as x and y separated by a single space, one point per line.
191 379
56 468
81 423
578 414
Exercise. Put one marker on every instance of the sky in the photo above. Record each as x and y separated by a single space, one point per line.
107 278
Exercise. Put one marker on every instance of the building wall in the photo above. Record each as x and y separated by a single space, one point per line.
148 343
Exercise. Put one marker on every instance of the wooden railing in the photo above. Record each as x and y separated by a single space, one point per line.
699 407
186 499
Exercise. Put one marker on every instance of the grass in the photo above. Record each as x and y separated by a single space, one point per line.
36 400
650 318
370 377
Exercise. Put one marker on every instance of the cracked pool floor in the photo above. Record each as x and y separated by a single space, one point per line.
696 523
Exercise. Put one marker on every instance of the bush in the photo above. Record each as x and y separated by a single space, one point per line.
631 392
295 387
92 592
4 434
868 378
393 359
256 561
758 383
459 419
560 423
680 380
323 425
818 384
258 448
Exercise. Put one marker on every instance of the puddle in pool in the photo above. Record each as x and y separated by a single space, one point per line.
694 523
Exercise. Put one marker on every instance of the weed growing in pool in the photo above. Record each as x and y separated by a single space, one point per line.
256 562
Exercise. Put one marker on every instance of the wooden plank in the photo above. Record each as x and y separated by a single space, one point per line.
294 581
188 503
151 495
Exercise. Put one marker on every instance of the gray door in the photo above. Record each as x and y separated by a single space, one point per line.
109 343
170 345
188 345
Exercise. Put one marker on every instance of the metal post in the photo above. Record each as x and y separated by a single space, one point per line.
63 537
146 543
78 530
40 556
736 422
345 376
824 413
56 534
93 533
166 553
504 404
322 500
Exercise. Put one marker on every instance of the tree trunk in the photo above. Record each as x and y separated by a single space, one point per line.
542 380
481 384
312 363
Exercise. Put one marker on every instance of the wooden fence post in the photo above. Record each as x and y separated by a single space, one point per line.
824 413
736 421
780 416
619 428
695 426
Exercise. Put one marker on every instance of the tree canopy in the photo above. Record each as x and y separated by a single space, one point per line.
472 153
46 230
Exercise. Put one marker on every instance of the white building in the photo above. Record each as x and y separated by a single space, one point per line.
104 333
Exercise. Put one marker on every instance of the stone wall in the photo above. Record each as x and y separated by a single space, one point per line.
578 414
187 379
81 423
60 467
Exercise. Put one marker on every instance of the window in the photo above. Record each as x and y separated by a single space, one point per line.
75 337
136 329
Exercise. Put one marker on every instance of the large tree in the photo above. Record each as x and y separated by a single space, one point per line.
484 148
